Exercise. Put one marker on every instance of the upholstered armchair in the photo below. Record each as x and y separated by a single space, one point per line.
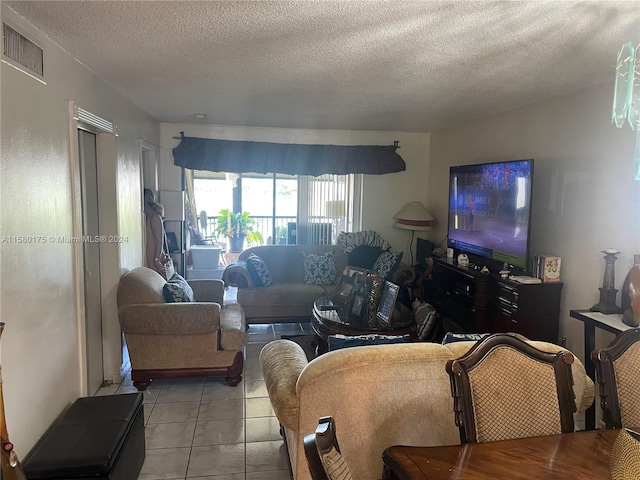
187 339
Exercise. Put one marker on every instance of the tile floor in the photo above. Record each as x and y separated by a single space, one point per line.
202 428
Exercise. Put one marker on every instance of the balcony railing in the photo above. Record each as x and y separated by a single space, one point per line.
324 233
263 224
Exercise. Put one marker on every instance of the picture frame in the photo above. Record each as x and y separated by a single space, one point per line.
343 291
172 242
357 306
356 273
387 303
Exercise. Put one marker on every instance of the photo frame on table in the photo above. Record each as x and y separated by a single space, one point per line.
343 291
357 306
387 303
356 273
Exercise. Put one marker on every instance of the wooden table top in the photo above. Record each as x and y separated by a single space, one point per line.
574 456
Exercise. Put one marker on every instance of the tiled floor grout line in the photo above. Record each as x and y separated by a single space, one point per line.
252 392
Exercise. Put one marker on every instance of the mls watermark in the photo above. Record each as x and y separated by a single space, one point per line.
40 239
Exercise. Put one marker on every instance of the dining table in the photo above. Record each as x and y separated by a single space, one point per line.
575 456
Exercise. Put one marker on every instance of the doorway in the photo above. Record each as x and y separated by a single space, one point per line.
87 150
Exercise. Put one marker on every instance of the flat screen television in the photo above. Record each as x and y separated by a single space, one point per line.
490 211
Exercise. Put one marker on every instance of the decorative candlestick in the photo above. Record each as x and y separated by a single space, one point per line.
607 303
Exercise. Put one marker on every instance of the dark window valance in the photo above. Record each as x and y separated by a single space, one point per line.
294 159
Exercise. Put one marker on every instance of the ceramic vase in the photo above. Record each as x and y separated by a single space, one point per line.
630 298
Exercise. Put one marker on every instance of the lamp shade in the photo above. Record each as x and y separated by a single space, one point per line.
335 208
413 216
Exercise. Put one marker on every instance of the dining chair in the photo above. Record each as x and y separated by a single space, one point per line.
617 368
624 462
504 388
323 453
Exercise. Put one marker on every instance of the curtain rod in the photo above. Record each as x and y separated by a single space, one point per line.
396 143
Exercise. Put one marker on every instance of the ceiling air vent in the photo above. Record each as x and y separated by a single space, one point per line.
22 52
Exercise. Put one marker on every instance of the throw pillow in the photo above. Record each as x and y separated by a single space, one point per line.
463 337
319 269
348 241
364 256
337 342
387 263
177 290
259 271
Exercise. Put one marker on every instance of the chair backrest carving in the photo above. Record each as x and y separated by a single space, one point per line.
505 388
323 453
617 368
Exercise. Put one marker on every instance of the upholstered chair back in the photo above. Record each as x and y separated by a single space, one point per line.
140 285
617 368
504 388
624 463
626 368
323 453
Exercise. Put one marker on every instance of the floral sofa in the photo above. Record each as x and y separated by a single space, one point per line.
285 280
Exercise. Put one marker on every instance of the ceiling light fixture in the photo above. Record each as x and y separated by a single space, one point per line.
626 96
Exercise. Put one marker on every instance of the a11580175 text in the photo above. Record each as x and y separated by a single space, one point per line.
39 239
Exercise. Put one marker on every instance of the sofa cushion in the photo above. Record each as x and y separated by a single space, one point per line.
364 256
387 263
177 290
141 285
259 271
279 300
319 269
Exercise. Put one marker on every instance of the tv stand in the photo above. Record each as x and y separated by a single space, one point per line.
484 302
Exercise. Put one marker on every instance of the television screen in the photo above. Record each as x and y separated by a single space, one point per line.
490 210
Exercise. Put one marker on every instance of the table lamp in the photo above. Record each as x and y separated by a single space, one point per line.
415 217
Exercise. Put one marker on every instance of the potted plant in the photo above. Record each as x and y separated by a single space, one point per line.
238 226
282 235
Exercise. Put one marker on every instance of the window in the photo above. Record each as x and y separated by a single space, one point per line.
287 208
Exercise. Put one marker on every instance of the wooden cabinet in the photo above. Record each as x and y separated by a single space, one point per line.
532 310
481 303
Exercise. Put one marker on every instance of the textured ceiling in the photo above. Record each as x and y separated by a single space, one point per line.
363 65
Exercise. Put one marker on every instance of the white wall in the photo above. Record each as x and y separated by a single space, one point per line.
383 195
42 355
584 197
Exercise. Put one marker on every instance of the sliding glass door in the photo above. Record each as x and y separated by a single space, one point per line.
287 208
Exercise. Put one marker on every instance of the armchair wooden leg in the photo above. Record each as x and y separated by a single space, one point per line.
234 372
141 379
142 386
